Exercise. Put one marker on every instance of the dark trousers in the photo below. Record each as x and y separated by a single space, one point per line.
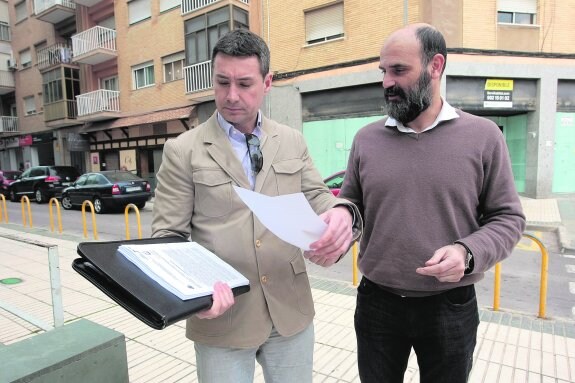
442 329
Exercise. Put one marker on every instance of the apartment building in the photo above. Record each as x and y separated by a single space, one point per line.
102 84
508 60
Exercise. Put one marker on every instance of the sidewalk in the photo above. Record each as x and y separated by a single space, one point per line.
511 347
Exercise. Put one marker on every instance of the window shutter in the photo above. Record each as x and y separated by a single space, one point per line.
139 10
169 4
521 6
324 22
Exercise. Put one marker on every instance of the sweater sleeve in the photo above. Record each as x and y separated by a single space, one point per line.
501 216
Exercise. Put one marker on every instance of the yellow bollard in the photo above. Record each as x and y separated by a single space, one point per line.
94 229
55 201
126 211
354 260
497 287
3 206
543 281
27 200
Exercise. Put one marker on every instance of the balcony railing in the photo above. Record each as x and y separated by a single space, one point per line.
193 5
8 124
56 54
43 5
101 100
92 39
60 110
95 45
198 77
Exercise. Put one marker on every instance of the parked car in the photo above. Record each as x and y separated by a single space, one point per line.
42 182
335 181
6 178
107 190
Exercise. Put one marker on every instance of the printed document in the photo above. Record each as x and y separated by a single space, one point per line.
186 269
289 216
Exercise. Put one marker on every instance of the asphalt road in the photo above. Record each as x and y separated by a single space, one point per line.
520 277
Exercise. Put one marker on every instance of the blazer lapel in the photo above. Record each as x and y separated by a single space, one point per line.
220 149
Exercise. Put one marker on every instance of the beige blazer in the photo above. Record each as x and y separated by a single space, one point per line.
194 198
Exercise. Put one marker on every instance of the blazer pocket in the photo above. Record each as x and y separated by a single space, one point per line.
213 192
301 285
288 175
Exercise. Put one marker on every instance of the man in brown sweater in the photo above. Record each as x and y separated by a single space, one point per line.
435 188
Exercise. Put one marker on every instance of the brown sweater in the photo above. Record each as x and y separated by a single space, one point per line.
419 192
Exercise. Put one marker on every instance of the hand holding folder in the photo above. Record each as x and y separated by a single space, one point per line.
133 289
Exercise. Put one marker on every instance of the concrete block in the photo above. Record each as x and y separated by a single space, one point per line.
81 351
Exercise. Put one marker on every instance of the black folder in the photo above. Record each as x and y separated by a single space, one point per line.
102 265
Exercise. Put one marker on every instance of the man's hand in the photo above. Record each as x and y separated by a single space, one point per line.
447 264
223 299
336 239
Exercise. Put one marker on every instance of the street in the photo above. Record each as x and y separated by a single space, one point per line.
520 276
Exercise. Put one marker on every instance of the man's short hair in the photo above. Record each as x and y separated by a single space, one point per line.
432 43
243 43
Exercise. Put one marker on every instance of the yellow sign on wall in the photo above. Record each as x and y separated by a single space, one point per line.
498 84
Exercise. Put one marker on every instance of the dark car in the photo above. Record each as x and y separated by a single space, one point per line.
335 181
42 182
6 178
107 190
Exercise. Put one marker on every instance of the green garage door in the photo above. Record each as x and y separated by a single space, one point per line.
564 158
329 141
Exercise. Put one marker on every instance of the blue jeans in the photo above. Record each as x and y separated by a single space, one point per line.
283 360
442 329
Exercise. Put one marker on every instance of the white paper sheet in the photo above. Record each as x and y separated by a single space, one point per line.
289 216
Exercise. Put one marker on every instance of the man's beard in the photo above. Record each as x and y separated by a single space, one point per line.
412 103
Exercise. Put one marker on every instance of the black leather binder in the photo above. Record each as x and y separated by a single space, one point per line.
127 285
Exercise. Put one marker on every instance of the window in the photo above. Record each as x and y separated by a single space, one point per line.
203 32
56 88
169 4
173 67
29 105
517 12
139 10
26 58
324 24
143 75
4 31
21 11
109 83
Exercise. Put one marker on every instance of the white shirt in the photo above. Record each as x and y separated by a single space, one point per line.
446 113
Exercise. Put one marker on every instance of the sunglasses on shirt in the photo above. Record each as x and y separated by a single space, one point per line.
256 156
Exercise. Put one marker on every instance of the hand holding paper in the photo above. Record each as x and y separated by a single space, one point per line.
290 217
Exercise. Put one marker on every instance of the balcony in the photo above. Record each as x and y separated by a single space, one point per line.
198 77
54 11
95 45
189 6
61 113
54 55
101 104
87 3
8 124
6 82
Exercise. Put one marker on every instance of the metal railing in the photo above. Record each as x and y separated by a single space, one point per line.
542 285
42 5
101 100
193 5
8 124
56 54
126 212
94 38
198 77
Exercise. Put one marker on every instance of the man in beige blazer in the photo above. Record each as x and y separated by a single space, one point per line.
273 322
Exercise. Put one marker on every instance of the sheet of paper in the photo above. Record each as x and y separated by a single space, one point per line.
186 269
289 216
